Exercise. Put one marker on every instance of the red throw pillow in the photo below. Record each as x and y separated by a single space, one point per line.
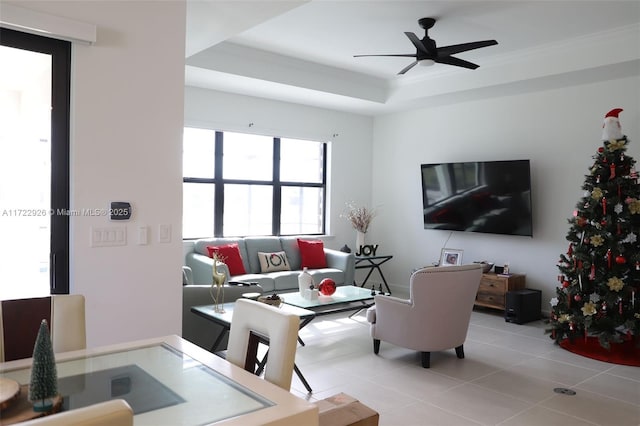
312 254
229 254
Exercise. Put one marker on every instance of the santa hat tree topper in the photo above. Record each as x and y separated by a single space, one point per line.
611 128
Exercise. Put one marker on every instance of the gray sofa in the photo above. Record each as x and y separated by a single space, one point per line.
340 266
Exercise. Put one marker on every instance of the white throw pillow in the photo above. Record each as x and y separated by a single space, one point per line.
272 262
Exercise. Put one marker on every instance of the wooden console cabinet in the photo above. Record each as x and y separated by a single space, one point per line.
493 289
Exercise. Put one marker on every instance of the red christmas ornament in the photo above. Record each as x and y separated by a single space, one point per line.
604 205
603 222
327 287
601 149
612 168
566 284
620 260
577 298
609 258
592 274
570 251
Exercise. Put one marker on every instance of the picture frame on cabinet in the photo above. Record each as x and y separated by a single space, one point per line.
451 257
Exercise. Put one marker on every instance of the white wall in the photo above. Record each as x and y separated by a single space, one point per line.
126 145
350 151
558 130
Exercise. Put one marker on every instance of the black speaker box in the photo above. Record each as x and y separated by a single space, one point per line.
522 306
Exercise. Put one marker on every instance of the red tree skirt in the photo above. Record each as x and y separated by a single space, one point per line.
625 353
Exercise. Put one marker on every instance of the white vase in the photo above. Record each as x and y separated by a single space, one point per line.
359 241
305 281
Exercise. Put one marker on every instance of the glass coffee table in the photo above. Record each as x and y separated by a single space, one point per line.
345 298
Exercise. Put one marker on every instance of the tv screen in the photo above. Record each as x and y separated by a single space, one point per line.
483 196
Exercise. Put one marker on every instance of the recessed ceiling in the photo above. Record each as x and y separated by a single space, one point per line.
302 51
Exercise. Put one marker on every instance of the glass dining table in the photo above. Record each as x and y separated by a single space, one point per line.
169 381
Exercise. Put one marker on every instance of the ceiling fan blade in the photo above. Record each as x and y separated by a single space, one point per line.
457 48
417 42
408 67
450 60
404 55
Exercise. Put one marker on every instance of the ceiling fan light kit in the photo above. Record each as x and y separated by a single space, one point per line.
427 52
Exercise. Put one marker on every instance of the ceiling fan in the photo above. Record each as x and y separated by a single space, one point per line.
428 53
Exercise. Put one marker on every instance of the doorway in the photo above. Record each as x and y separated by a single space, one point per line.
34 165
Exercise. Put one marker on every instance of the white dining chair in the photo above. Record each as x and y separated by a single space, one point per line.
115 412
20 322
279 328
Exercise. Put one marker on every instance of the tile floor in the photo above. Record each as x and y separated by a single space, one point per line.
507 377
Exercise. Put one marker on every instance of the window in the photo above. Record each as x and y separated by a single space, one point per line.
238 184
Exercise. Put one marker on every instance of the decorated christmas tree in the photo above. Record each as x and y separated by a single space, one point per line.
598 296
44 378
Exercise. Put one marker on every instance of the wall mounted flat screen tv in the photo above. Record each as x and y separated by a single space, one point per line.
483 196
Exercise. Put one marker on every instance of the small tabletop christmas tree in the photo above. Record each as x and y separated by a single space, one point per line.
44 378
600 272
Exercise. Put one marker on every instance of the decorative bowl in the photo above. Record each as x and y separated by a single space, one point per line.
486 266
273 300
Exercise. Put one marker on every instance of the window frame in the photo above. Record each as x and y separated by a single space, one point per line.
219 182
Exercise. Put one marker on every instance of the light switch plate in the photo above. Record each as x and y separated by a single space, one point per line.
109 236
164 233
143 236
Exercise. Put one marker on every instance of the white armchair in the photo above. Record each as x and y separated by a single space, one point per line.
436 315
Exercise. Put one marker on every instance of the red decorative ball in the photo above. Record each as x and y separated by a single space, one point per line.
566 284
601 149
577 298
327 287
603 222
620 260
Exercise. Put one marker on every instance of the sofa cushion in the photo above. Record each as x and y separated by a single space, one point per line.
290 247
320 274
312 254
273 262
260 244
284 281
229 254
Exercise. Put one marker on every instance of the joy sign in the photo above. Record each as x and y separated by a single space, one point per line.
367 250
